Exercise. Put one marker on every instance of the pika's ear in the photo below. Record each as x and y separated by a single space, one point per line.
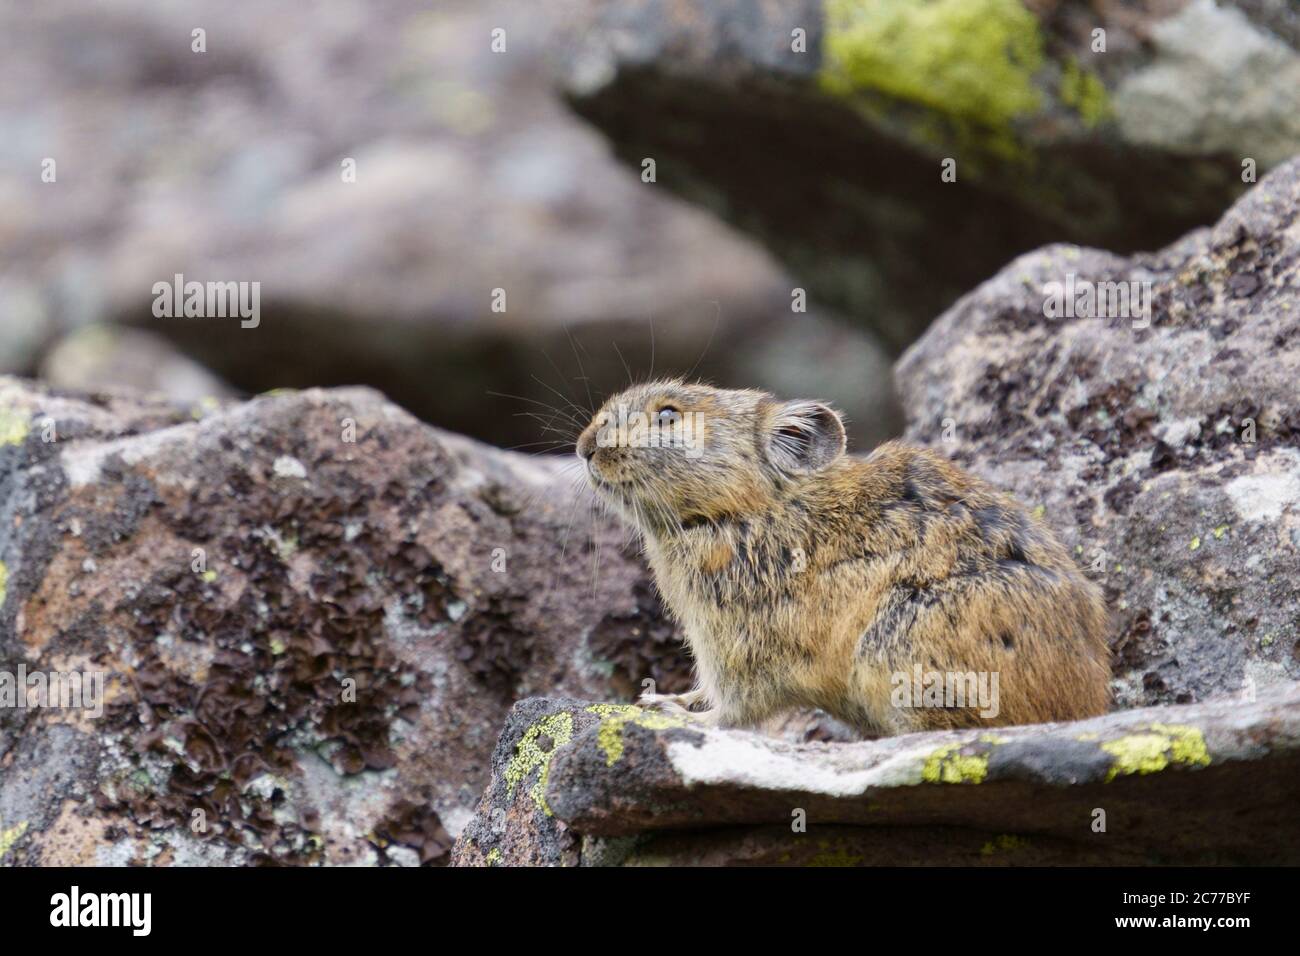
804 437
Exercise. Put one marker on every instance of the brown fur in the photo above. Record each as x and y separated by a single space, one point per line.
810 581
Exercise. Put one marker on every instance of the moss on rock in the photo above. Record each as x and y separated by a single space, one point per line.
971 60
1084 92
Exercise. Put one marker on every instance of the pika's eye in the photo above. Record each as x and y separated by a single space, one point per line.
668 416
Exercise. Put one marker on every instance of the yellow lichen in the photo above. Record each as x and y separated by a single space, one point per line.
618 716
946 765
833 856
14 427
609 710
1085 93
494 856
4 583
1156 749
973 61
530 755
1004 841
204 407
11 836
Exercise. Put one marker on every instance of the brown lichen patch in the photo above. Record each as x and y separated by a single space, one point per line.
419 827
494 648
642 644
233 673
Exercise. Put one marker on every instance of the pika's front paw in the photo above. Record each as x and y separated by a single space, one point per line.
672 703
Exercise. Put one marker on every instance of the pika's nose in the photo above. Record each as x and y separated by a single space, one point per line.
587 443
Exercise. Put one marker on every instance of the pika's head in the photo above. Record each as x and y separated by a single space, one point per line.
669 454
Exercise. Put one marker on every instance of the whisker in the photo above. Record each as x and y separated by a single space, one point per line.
581 370
619 353
551 442
652 346
558 394
717 320
577 423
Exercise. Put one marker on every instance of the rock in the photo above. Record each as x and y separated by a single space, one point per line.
27 324
470 177
104 357
1164 449
821 126
597 784
307 643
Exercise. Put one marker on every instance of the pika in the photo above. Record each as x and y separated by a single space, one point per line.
805 577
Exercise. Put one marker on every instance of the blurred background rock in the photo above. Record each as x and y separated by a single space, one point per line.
471 175
519 171
912 149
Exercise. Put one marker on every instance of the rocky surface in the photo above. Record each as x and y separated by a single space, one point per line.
831 152
1160 436
470 176
576 783
1165 449
311 614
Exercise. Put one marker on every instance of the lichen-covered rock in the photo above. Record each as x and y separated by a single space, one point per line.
822 126
1206 783
1164 448
310 612
515 824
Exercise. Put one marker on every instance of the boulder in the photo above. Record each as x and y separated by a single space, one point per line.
577 783
824 127
97 357
1160 439
309 615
